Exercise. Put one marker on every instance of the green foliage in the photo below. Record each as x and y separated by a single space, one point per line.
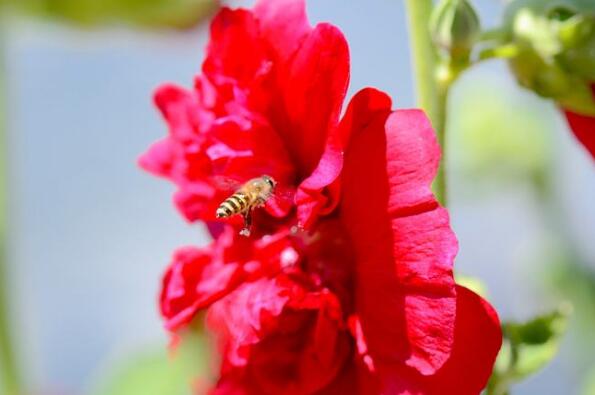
555 49
542 6
527 348
157 373
149 13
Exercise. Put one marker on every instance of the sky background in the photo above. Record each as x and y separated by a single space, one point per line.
91 234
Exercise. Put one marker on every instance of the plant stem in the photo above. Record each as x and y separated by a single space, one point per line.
439 122
10 379
431 97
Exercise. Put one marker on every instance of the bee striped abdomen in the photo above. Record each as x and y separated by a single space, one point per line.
234 204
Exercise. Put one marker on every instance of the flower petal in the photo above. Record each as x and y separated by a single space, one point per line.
235 49
243 316
314 90
583 127
193 281
159 158
478 338
403 242
286 339
182 110
198 278
319 193
283 23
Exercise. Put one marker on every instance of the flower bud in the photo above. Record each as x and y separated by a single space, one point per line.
455 28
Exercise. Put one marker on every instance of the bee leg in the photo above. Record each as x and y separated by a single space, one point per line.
247 223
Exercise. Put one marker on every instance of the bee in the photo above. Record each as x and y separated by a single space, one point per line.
249 196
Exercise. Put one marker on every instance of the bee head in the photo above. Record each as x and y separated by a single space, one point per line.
269 180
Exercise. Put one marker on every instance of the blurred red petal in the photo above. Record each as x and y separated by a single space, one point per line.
159 158
583 127
193 281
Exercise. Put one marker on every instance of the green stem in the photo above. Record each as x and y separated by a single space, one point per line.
505 51
430 96
422 51
439 122
10 379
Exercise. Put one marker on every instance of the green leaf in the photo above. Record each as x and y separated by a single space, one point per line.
149 13
159 372
527 348
536 341
555 42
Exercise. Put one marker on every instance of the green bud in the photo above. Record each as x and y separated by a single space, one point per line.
455 28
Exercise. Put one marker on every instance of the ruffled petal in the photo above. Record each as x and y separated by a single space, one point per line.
314 90
244 150
197 278
193 281
281 338
319 193
284 24
235 49
183 112
160 158
403 242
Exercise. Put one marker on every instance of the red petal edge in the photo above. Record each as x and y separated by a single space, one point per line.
403 242
583 127
319 193
283 23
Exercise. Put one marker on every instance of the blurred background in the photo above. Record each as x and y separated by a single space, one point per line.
89 234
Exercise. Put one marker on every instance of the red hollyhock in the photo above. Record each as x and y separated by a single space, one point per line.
360 297
583 127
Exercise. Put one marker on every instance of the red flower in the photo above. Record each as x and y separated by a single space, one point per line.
583 127
260 107
198 277
360 298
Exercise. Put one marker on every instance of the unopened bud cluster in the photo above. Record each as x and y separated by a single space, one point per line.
556 53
